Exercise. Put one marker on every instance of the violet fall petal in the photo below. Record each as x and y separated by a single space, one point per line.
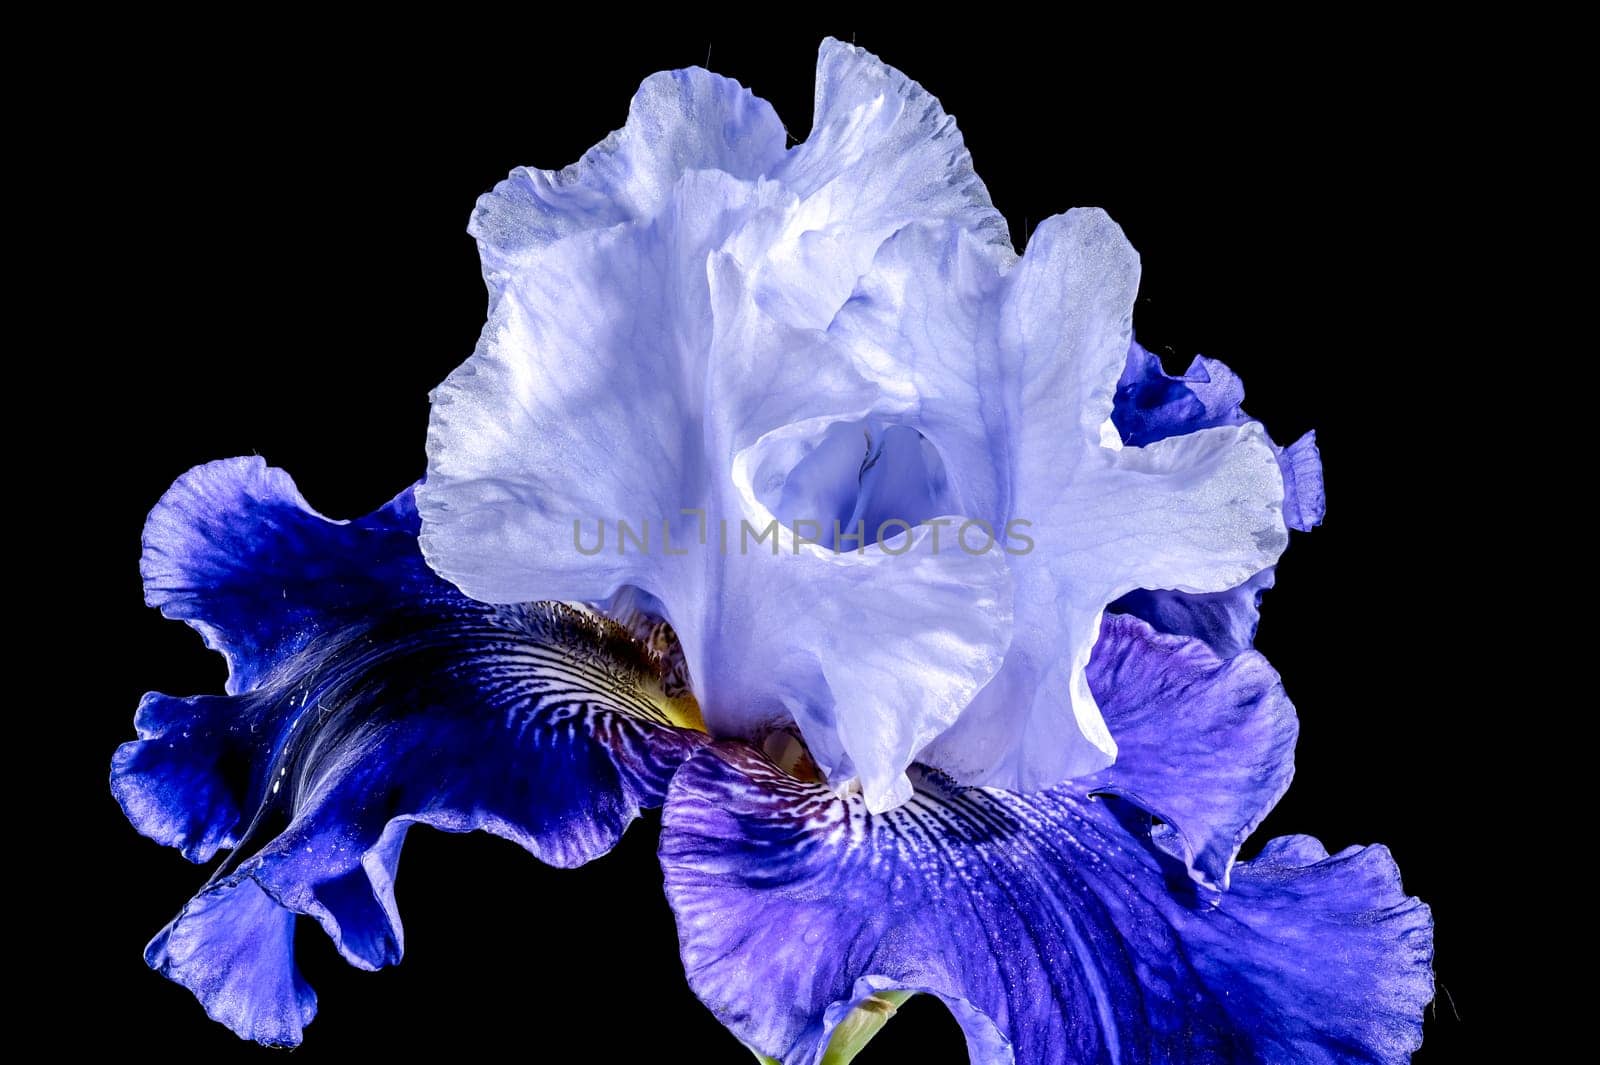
1053 928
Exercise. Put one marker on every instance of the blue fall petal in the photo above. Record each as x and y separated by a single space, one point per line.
1052 925
234 948
1226 621
1204 743
259 590
192 794
1153 405
367 695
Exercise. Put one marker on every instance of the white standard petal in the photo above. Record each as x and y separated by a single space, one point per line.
1199 513
582 409
633 380
692 330
679 120
1065 323
872 649
871 654
882 154
1202 512
1196 513
1010 371
922 325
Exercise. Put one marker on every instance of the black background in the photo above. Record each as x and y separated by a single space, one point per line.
268 255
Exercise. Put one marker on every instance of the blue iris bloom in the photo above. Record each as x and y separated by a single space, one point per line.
1012 769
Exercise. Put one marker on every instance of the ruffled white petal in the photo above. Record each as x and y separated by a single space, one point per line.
585 405
1065 323
871 655
1188 512
1198 513
679 120
632 377
922 325
691 328
882 154
1010 371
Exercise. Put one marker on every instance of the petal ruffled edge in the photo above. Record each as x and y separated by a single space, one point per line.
1153 405
1204 743
176 783
254 590
852 88
678 121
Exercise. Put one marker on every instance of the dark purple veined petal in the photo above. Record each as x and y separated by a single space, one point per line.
1051 924
1203 743
1153 405
366 696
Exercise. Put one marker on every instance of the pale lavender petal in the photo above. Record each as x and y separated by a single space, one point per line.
679 120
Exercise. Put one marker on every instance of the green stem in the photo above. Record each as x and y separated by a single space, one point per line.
864 1022
856 1031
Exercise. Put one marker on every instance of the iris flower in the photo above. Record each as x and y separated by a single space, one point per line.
782 491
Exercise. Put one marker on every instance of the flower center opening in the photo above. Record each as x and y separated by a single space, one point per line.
640 616
861 483
788 752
